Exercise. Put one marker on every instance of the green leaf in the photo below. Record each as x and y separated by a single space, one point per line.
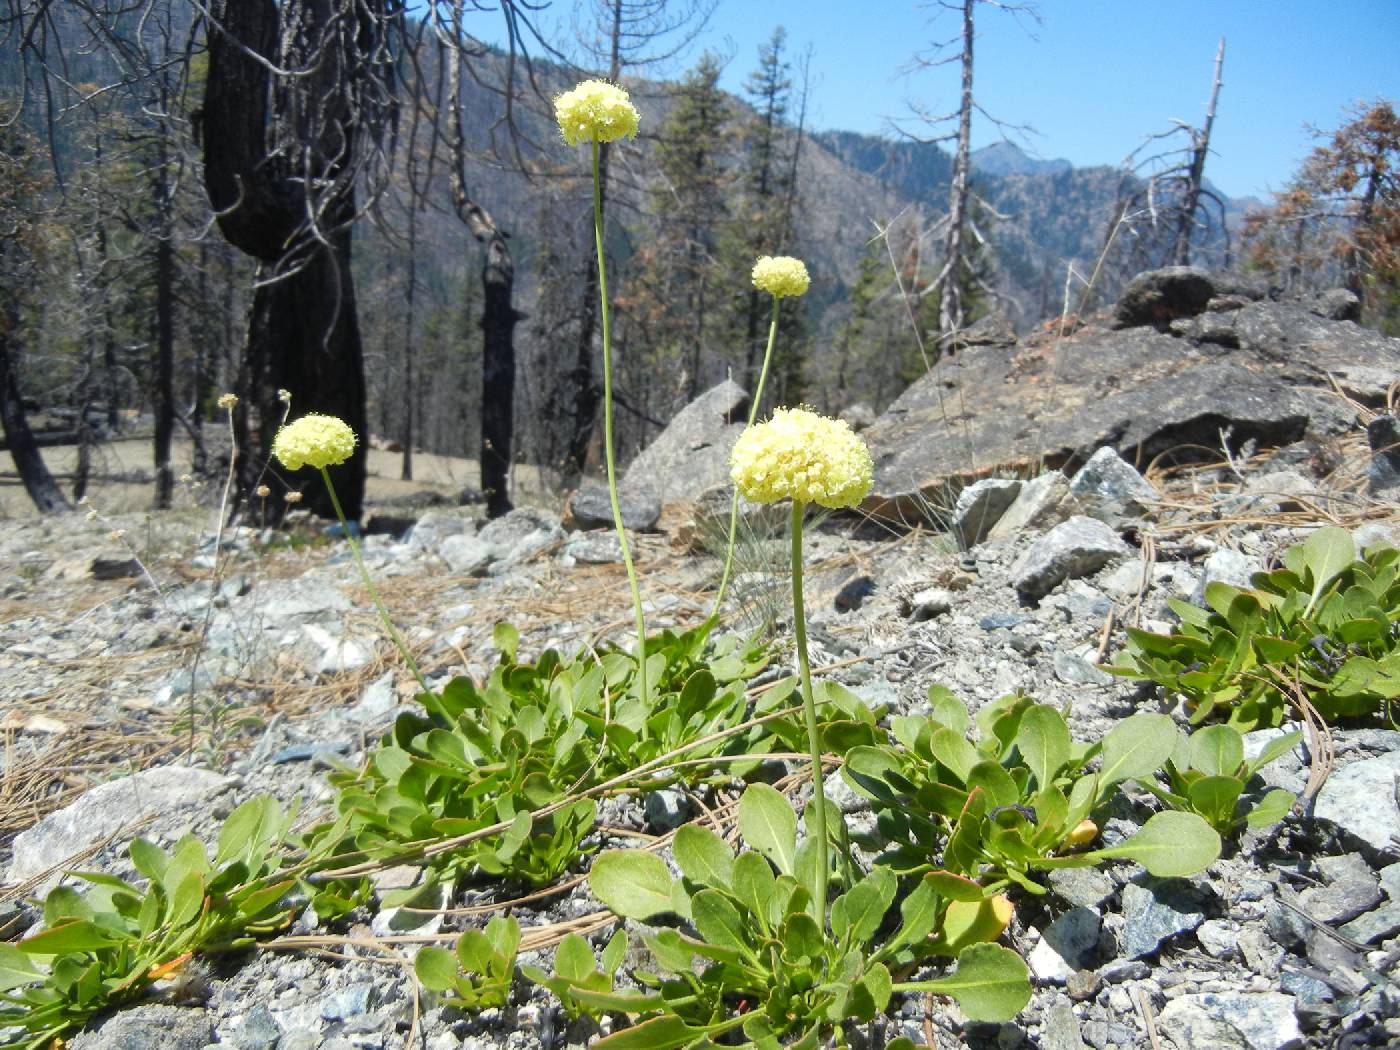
718 920
1327 553
1217 750
573 959
632 883
15 968
769 825
953 751
857 913
948 709
80 935
954 887
1044 742
1215 799
704 857
876 981
667 1032
995 782
1272 808
1137 747
991 983
1170 845
149 859
1274 749
754 883
241 828
435 968
507 640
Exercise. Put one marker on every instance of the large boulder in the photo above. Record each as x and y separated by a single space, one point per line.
1259 370
692 453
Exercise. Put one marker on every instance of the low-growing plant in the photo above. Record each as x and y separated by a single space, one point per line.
1326 623
479 972
1208 775
111 943
769 961
534 734
1018 797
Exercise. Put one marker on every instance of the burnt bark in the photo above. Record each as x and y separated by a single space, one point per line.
286 103
24 450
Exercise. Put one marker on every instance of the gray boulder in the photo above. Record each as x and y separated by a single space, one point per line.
466 555
522 533
1360 800
150 1027
1158 297
1232 1021
1383 472
106 809
692 453
1078 547
590 506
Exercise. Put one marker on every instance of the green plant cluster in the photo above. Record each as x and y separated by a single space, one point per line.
115 940
1325 626
770 965
1017 798
535 735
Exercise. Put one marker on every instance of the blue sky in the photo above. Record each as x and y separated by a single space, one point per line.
1095 77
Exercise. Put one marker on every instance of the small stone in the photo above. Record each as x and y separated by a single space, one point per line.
1075 548
149 1027
1001 621
1037 505
1228 1020
594 548
466 555
350 1001
376 701
930 602
1083 985
1059 1028
324 650
1374 926
114 567
1073 669
667 809
1218 938
979 507
1343 900
300 1039
258 1030
853 593
1155 910
1117 971
1279 490
1068 944
1084 887
1225 566
1360 800
1107 479
520 534
1390 881
1314 1000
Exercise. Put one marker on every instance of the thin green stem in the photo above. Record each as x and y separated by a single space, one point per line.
809 709
394 635
608 433
753 414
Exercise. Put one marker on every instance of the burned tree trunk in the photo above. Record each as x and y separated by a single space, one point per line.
24 450
293 91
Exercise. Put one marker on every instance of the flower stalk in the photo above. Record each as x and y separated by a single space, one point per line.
809 711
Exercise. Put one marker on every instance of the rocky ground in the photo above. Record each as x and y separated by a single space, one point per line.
148 679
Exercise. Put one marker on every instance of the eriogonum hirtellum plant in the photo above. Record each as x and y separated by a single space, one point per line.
807 458
595 112
780 276
327 441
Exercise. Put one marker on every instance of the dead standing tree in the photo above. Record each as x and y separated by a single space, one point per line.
958 271
498 316
1166 205
298 101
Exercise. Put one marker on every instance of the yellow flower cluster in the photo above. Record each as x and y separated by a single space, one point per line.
802 456
595 111
780 275
315 441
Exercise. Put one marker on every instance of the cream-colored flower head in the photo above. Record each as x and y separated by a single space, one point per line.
802 456
780 275
314 441
595 111
228 401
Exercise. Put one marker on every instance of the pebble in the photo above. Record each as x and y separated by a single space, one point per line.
1155 910
1249 1021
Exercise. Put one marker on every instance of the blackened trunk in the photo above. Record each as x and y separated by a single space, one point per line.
498 319
304 336
38 482
165 329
